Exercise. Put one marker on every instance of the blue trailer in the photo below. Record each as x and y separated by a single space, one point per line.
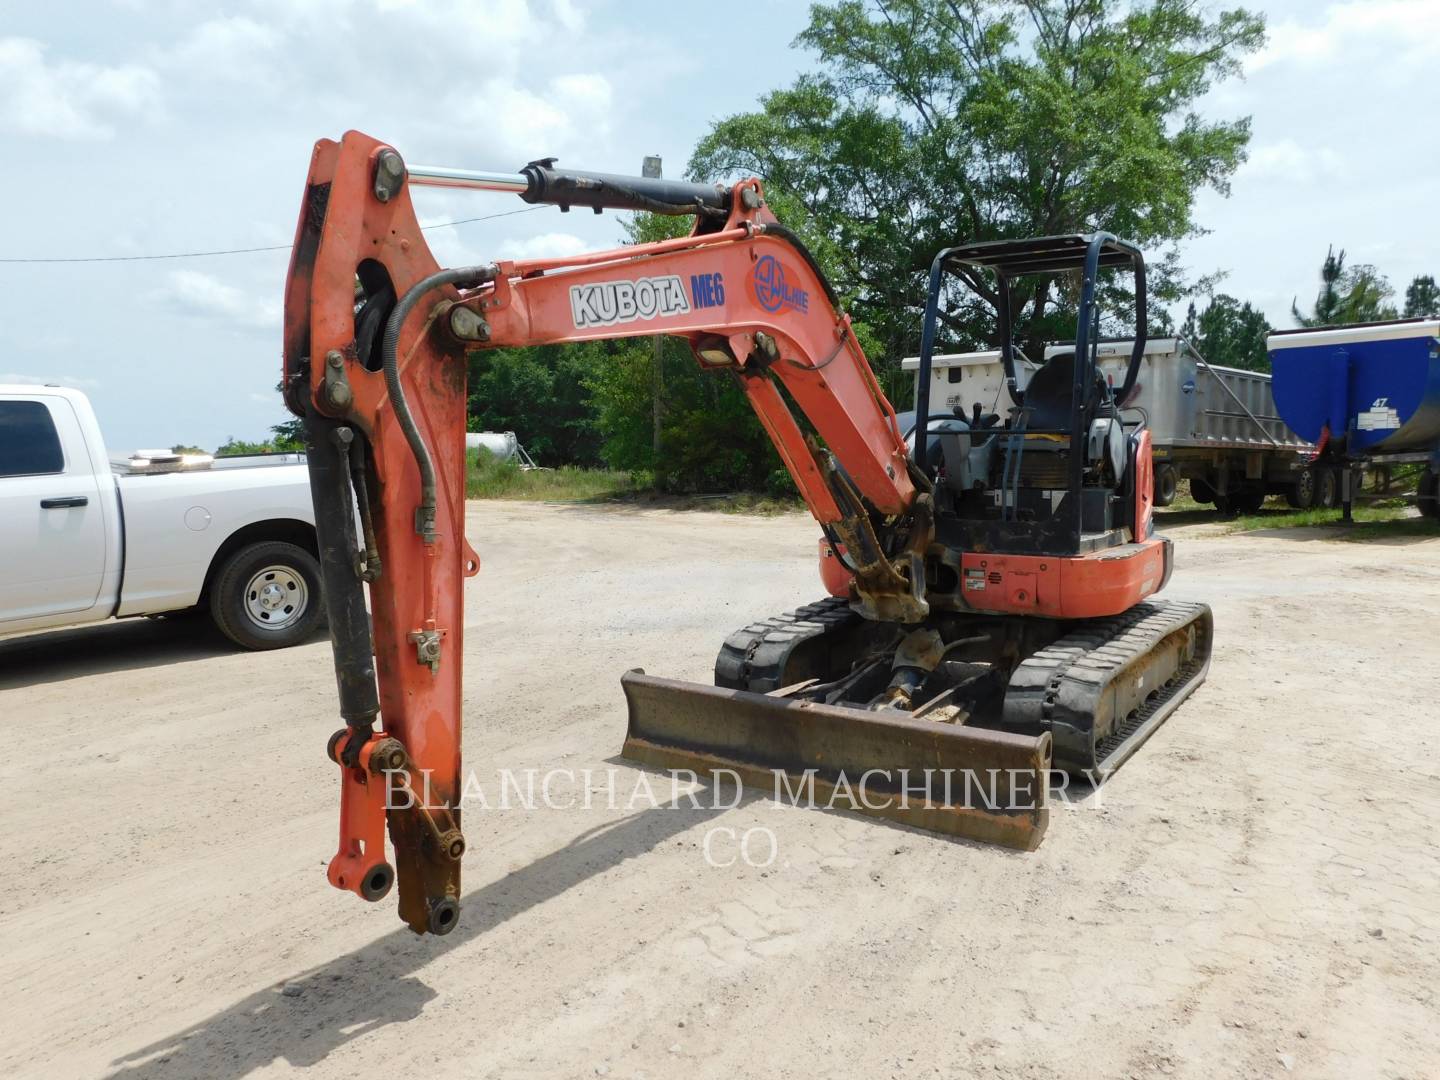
1367 394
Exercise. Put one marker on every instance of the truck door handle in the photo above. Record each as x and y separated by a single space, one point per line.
61 501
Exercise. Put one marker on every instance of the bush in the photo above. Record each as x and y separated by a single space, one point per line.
710 438
540 394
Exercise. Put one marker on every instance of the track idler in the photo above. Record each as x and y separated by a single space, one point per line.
980 784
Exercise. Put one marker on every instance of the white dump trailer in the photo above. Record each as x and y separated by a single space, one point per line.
1214 426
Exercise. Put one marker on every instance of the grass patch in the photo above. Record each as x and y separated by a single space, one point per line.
1380 522
1314 518
487 478
1375 519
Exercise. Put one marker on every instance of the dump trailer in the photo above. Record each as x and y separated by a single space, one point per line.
1367 394
1216 427
969 642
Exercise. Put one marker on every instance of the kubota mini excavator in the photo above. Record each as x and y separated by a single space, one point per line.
989 574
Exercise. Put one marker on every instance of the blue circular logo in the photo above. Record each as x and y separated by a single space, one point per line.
770 283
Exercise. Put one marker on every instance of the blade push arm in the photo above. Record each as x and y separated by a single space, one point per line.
375 342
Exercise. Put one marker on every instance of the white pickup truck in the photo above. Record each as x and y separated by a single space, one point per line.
83 539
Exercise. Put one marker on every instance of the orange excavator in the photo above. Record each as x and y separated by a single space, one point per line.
988 573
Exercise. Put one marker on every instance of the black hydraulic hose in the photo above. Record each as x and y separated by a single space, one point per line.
469 276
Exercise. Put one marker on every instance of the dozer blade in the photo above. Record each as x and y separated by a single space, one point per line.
975 783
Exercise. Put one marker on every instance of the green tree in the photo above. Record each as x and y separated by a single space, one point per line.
929 123
710 439
1422 297
539 393
1232 334
289 435
1348 294
181 448
233 447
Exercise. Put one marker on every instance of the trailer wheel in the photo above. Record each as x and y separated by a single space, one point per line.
1201 491
1327 488
1167 484
1301 494
267 596
1248 500
1430 494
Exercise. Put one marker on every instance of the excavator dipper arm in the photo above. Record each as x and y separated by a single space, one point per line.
376 335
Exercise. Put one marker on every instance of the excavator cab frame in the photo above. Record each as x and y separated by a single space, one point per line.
1004 261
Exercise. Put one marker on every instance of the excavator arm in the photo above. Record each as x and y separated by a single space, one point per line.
376 335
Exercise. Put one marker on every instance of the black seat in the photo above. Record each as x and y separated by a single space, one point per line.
1048 394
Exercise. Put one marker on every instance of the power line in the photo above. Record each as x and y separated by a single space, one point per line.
249 250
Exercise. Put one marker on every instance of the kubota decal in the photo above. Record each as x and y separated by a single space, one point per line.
773 291
605 303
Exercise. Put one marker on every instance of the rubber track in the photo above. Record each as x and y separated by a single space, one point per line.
1057 682
755 657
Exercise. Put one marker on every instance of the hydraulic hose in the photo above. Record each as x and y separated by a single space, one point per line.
468 276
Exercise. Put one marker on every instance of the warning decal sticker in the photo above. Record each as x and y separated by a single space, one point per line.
1379 417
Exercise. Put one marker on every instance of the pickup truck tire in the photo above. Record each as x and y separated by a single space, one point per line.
267 595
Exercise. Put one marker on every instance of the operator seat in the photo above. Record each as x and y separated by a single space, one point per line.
1047 396
1047 408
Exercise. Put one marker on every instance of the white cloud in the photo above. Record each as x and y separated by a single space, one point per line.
1403 31
569 16
586 90
1288 160
235 47
192 292
76 381
67 99
550 245
571 114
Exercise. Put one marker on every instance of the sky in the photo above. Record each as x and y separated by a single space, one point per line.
141 127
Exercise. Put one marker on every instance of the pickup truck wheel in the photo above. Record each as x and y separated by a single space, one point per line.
267 595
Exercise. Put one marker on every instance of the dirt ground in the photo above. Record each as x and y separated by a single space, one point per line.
1257 893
